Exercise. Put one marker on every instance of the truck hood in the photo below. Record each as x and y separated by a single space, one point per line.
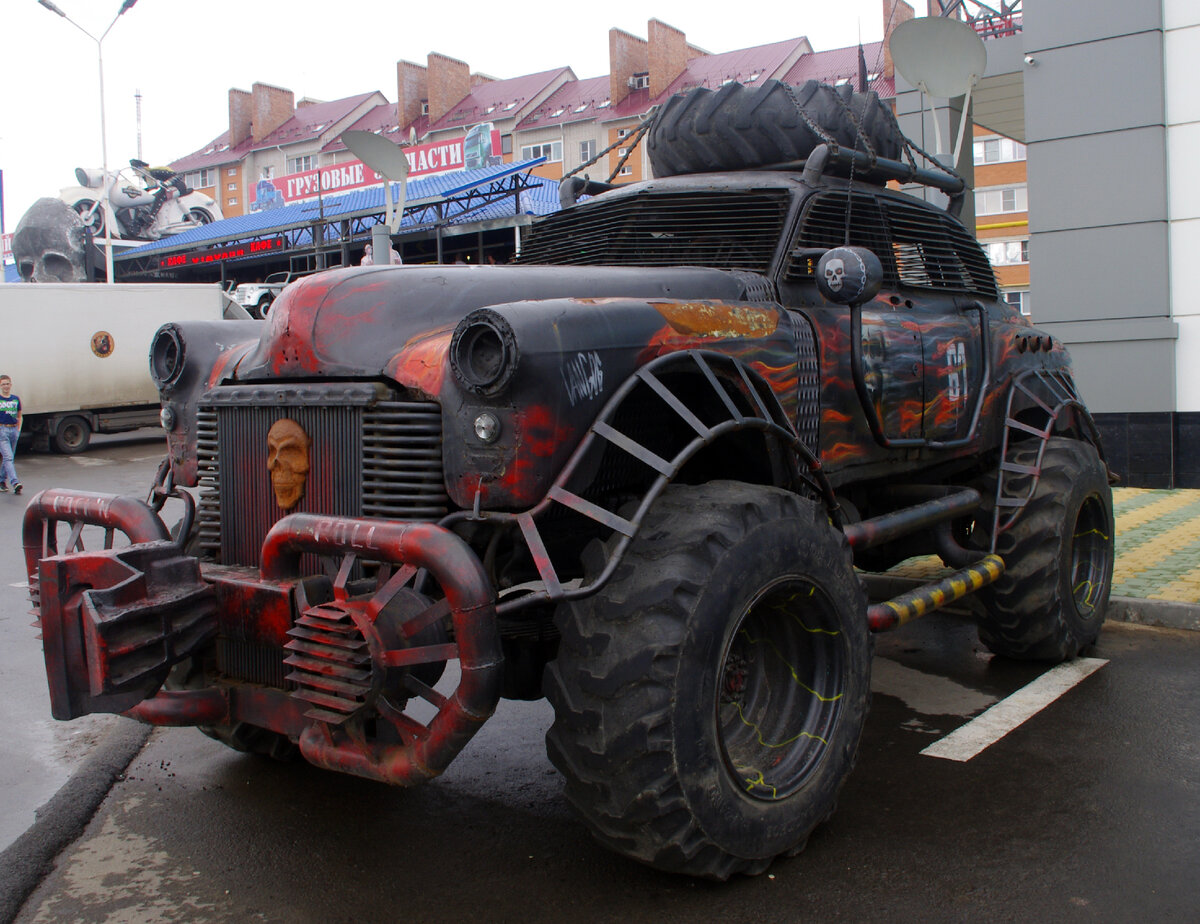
356 322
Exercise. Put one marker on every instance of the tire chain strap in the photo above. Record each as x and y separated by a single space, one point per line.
633 143
587 163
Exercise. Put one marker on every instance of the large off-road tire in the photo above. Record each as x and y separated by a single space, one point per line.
737 127
709 700
1052 599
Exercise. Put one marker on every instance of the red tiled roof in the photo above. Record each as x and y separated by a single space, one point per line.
214 154
742 65
309 121
381 120
572 102
498 99
842 63
746 65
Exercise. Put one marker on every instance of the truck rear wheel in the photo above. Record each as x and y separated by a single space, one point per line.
1052 599
709 700
72 435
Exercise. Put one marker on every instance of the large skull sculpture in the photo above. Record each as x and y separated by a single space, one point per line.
835 270
48 244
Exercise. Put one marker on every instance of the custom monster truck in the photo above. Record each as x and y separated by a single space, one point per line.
634 473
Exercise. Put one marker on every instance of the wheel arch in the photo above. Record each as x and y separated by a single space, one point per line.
687 417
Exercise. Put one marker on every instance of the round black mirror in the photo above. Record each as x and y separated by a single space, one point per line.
849 275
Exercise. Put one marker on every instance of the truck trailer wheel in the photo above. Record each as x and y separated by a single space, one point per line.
1053 597
709 700
72 435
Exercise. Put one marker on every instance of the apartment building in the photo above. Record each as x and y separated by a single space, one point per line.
554 115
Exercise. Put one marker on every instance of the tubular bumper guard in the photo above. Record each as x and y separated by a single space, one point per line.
115 621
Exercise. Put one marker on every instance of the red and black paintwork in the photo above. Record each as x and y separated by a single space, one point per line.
622 379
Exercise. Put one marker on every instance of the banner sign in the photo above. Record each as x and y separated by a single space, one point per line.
221 254
480 147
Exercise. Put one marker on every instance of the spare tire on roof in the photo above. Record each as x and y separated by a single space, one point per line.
738 127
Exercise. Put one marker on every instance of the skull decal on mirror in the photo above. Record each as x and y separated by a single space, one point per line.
835 272
287 461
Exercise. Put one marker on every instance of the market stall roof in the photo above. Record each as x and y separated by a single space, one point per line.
447 196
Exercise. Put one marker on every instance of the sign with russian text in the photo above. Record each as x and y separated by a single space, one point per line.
480 147
221 254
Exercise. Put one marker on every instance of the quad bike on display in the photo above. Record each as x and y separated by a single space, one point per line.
639 472
144 203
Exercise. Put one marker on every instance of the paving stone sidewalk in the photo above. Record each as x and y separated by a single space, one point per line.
1158 547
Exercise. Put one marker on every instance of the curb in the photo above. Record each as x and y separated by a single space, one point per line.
1165 614
25 862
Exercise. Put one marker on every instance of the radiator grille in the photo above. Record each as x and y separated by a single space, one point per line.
368 457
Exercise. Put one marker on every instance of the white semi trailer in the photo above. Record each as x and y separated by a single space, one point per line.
78 354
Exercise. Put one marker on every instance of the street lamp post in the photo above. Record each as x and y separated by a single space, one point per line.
105 203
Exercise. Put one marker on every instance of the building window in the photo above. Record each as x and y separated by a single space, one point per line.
232 200
998 151
625 171
622 132
302 163
231 187
1019 299
1007 253
551 150
424 107
1001 199
587 150
640 81
201 178
232 171
506 144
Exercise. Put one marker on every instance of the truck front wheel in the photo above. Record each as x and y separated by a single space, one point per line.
709 700
72 435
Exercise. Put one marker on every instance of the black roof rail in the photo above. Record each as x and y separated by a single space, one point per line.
825 156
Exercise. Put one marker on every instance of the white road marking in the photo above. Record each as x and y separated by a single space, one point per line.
925 693
989 727
84 460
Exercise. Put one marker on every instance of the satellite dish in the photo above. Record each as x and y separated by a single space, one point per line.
941 57
388 161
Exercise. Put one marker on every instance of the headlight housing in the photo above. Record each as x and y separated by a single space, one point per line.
167 355
483 352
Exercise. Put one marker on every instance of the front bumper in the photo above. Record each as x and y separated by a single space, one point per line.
115 621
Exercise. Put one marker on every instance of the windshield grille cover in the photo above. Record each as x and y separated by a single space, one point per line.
728 229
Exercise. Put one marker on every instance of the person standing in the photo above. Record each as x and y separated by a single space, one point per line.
10 431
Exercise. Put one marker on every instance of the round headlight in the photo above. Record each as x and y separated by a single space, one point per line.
166 356
483 352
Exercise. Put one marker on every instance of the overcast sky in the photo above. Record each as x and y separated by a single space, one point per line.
184 57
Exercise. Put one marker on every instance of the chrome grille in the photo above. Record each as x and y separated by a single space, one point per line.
371 455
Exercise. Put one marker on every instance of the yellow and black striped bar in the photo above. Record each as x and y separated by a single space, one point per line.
917 602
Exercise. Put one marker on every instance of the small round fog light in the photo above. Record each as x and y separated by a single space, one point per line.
487 427
166 417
